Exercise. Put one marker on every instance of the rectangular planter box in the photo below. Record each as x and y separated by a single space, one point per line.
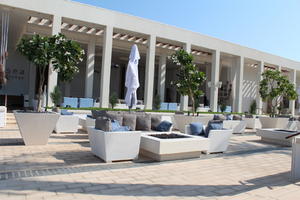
296 159
172 149
114 146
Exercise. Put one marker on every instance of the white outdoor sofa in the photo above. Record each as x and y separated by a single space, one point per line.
276 136
237 126
218 139
114 146
3 112
67 124
252 123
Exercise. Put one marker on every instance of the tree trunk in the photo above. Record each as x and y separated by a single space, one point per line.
193 104
40 89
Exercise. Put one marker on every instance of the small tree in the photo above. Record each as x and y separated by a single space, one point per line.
56 96
274 87
156 102
63 54
253 107
113 100
189 77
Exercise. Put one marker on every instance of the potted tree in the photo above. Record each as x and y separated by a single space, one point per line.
188 84
56 98
273 88
190 78
44 52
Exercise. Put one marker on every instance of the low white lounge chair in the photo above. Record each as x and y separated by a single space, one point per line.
218 139
238 126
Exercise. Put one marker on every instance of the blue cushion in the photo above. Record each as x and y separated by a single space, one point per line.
65 112
229 117
196 128
213 125
86 103
115 126
164 126
70 102
164 106
172 106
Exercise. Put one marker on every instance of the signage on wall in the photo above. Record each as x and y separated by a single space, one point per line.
15 74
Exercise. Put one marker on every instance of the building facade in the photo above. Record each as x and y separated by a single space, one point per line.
233 71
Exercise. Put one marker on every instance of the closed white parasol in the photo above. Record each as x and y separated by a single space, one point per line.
132 77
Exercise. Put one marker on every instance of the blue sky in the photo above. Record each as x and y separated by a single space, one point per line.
272 26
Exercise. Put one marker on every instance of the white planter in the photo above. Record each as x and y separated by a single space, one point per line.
35 128
114 146
252 123
273 122
89 122
172 149
67 124
296 159
3 111
182 120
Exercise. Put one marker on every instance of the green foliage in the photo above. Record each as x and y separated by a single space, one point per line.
223 107
189 77
253 107
56 96
113 100
156 102
63 54
274 87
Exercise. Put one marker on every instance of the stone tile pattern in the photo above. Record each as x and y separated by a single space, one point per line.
66 169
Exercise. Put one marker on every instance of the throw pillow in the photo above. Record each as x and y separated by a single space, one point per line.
65 112
229 117
129 120
237 117
143 122
155 121
219 117
164 126
213 125
98 113
104 124
196 128
115 116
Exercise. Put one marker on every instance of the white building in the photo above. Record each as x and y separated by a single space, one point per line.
107 37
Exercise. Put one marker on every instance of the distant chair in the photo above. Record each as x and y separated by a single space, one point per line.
86 102
70 102
172 106
164 106
228 109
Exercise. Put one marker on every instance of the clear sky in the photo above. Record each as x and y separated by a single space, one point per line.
272 26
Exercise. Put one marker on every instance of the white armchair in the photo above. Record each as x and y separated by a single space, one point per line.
218 139
114 146
67 124
238 126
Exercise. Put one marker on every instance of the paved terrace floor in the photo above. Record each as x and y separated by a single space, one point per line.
66 169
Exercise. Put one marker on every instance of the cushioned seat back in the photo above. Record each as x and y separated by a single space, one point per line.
86 103
70 102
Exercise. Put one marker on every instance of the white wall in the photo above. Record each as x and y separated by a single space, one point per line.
250 87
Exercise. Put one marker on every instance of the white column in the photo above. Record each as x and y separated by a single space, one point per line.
239 84
89 71
52 75
162 76
106 67
184 100
215 76
293 80
259 102
150 68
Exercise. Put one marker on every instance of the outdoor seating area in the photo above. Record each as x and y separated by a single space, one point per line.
96 104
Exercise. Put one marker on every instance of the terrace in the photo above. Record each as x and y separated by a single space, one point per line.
66 169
